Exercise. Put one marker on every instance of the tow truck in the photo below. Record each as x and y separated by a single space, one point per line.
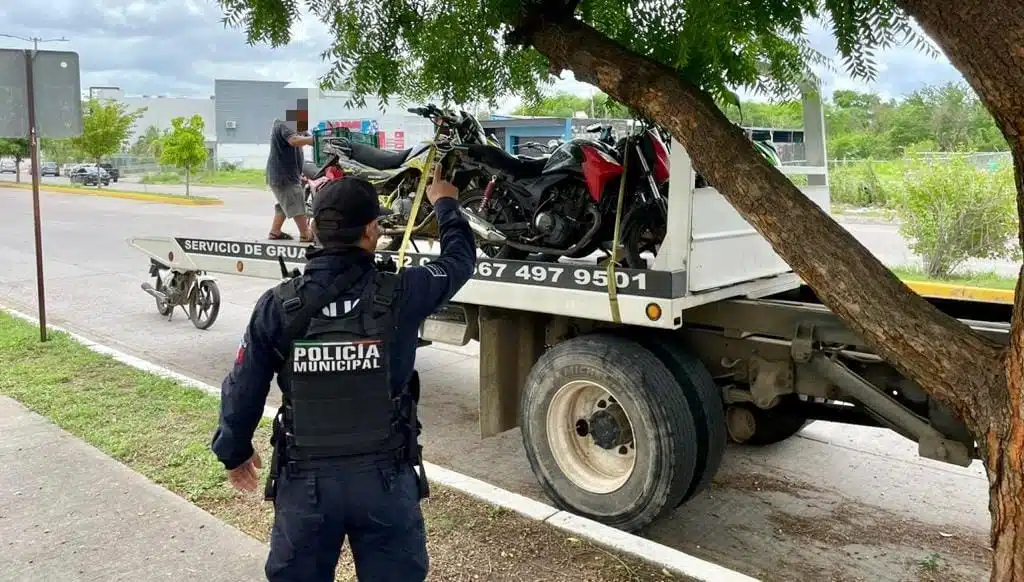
625 406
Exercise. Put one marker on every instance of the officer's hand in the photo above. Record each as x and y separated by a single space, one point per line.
440 188
245 476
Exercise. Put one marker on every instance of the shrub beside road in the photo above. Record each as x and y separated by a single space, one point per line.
162 430
234 178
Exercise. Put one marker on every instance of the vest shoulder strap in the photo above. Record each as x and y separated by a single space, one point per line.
386 290
299 312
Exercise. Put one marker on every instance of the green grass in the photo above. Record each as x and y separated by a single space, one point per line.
989 280
159 427
236 178
162 429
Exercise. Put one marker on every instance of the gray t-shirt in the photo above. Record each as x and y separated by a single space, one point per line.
284 164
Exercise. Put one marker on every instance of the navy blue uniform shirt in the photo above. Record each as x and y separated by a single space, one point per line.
263 349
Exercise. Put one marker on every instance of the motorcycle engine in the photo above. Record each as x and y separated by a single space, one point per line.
402 207
556 218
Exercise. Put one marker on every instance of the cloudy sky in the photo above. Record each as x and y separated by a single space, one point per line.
177 48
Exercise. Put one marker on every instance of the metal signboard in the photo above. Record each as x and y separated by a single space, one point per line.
58 93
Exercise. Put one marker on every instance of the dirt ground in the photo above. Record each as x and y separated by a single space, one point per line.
813 535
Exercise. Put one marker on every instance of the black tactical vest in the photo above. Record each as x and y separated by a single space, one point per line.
338 369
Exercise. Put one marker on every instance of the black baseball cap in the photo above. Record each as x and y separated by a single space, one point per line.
346 206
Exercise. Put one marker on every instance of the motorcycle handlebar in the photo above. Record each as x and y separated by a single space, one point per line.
431 111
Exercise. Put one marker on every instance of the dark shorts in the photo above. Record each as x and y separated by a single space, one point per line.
291 199
376 508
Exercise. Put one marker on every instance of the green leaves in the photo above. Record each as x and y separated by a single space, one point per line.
106 127
952 211
185 146
14 147
454 51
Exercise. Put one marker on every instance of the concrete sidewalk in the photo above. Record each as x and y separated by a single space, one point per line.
68 512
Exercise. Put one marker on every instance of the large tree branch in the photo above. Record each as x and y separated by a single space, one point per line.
951 362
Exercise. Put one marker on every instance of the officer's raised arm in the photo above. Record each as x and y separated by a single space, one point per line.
430 285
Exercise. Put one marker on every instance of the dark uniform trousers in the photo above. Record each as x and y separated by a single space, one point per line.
374 503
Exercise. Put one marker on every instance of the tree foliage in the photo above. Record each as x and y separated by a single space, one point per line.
150 143
60 151
106 128
16 148
185 146
457 50
952 211
563 104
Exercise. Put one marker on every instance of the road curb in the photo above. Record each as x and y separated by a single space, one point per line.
671 559
965 292
140 196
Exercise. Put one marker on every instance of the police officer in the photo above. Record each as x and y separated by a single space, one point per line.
342 339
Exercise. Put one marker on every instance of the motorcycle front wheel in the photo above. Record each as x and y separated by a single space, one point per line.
643 230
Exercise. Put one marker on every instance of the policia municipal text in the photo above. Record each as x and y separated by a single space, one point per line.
342 339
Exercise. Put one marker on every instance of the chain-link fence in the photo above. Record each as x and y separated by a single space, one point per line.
984 160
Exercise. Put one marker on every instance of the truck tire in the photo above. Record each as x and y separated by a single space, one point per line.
706 404
602 444
750 425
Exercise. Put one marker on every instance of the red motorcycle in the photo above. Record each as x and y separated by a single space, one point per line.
565 204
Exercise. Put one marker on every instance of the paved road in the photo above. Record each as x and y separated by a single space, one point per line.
93 280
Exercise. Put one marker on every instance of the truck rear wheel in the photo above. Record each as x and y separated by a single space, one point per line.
608 431
750 425
706 403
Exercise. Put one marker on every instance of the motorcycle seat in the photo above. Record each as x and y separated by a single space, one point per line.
505 162
377 158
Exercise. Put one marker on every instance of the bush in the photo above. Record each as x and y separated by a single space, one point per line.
858 184
952 211
161 178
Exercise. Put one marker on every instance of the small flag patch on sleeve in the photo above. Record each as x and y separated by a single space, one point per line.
240 355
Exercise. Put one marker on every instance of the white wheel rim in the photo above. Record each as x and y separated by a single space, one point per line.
587 464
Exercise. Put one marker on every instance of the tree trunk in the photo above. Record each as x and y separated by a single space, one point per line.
1005 463
956 366
17 170
985 42
187 180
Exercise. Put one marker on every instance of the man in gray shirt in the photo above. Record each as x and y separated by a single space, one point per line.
284 168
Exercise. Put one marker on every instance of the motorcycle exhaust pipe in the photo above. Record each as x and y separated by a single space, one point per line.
482 228
149 289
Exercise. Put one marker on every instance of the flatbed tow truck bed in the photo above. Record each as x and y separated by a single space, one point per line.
622 421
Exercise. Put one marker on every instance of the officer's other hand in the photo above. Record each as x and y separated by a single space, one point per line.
245 477
440 188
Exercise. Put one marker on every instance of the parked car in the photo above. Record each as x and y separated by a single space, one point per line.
89 175
113 172
49 169
8 167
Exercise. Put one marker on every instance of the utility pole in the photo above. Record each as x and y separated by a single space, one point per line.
35 40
